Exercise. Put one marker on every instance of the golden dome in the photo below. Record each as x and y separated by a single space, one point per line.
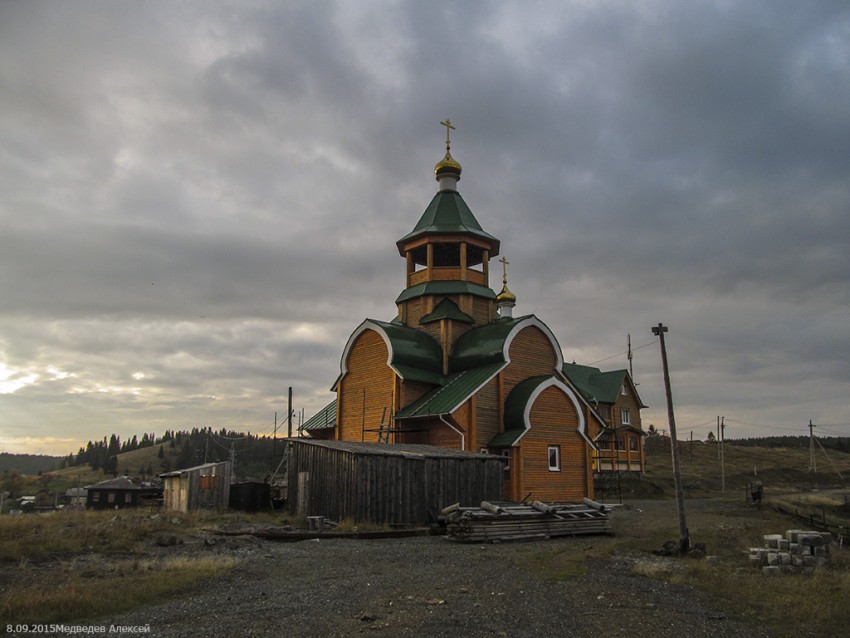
447 165
506 296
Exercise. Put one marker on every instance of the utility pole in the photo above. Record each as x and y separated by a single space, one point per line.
717 438
274 441
684 539
813 466
289 414
629 341
722 454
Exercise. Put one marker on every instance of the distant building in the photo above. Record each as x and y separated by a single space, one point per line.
114 493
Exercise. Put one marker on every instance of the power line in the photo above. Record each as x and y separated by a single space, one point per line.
614 356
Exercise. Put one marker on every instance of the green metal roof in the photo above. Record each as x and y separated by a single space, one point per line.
506 438
447 398
483 345
446 288
447 309
323 419
518 399
594 384
448 214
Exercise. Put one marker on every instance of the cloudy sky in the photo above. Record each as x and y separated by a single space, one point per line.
199 201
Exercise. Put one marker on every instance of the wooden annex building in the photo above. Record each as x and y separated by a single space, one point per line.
456 370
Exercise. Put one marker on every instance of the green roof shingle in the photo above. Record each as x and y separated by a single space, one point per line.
448 214
448 397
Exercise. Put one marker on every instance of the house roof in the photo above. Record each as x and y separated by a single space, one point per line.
446 309
595 385
451 395
323 419
202 466
120 483
448 214
392 449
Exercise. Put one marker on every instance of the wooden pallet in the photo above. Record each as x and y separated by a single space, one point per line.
510 522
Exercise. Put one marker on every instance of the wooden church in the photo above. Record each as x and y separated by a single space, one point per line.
456 369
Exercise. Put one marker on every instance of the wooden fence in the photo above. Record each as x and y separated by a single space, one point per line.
386 483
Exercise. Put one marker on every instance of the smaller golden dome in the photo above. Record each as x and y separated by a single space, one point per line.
447 165
506 296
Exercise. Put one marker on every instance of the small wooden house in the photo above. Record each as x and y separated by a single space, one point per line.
204 486
114 493
389 484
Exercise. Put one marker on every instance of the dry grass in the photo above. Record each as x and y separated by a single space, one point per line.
76 590
75 565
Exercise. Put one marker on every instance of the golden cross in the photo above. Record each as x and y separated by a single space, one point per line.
504 263
448 124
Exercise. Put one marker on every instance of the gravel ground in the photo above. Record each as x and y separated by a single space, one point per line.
427 586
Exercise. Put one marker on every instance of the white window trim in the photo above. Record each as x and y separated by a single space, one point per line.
625 416
557 450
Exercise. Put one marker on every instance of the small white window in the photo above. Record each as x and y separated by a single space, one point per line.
625 417
623 390
554 458
484 450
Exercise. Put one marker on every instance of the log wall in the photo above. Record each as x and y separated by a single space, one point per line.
367 372
554 421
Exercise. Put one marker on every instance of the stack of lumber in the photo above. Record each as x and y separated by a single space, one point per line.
513 522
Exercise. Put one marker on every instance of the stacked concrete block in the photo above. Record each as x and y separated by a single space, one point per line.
795 550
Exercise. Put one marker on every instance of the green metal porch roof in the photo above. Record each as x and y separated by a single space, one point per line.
322 420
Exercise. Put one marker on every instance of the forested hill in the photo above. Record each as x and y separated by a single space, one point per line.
28 463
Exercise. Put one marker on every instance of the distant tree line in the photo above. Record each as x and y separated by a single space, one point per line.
839 443
255 456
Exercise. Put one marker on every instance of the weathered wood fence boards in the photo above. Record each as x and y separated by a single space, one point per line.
386 483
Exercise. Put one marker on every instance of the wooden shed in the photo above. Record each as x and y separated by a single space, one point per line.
388 484
204 486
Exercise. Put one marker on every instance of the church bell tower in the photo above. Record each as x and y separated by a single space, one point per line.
447 259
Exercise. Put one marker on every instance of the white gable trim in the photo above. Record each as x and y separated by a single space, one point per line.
548 383
534 321
368 324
